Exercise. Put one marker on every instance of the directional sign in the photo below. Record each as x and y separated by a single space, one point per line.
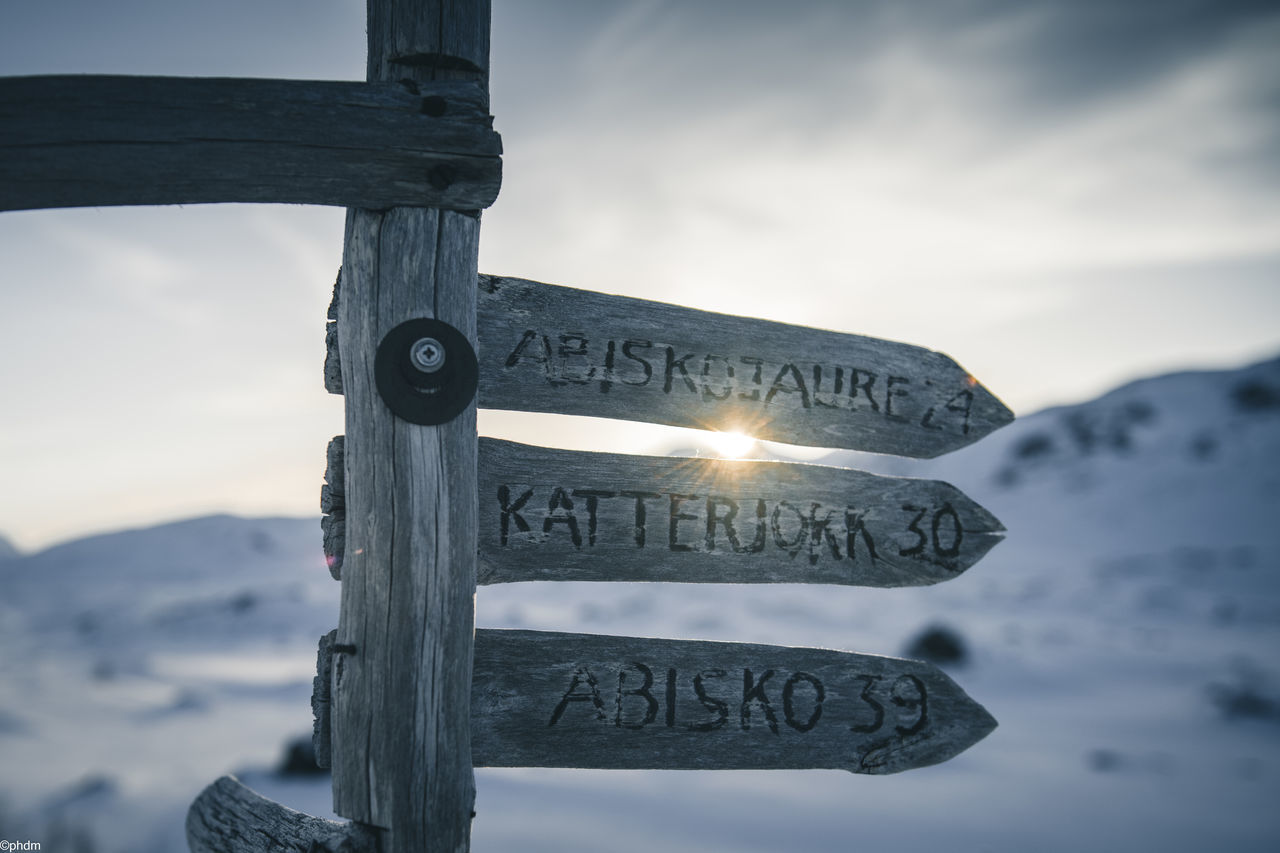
581 700
545 348
568 515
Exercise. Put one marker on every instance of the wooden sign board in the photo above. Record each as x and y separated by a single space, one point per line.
580 700
568 515
545 348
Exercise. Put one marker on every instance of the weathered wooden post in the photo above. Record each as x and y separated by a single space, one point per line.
412 154
401 749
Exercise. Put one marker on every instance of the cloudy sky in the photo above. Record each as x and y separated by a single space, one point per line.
1061 194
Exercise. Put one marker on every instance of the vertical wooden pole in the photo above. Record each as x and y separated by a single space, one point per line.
402 664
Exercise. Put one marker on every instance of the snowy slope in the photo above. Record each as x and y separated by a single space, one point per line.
1125 636
140 663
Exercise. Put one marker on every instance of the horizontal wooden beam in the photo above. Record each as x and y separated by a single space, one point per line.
569 515
545 348
74 141
580 700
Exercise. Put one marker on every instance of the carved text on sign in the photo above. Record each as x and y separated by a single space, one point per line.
549 514
577 700
708 699
681 523
573 358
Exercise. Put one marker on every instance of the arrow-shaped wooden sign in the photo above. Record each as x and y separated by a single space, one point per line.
581 700
545 348
568 515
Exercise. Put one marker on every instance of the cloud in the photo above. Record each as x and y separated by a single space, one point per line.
306 39
1000 180
1071 53
874 143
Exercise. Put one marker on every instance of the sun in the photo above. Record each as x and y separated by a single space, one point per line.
731 445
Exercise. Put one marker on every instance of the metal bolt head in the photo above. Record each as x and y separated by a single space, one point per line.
427 355
426 371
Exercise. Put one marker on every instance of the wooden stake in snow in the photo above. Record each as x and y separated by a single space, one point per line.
173 140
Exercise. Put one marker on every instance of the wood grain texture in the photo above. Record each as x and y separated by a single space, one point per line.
322 702
450 45
333 496
400 734
580 700
333 503
332 360
229 817
401 688
546 348
69 141
567 515
332 352
408 573
333 530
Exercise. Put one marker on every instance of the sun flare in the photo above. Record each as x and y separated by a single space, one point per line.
731 445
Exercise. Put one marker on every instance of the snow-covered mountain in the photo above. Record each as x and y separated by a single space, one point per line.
1125 635
138 662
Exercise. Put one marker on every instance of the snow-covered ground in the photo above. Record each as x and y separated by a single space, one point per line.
1126 636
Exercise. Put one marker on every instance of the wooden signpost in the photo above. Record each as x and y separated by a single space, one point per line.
558 349
547 348
409 697
581 700
567 515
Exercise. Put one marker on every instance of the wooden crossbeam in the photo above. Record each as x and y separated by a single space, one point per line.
86 140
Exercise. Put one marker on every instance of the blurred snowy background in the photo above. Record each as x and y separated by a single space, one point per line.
1125 636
